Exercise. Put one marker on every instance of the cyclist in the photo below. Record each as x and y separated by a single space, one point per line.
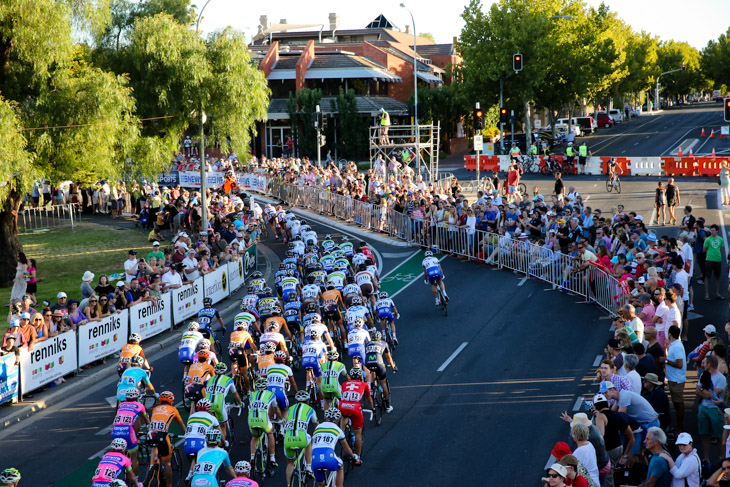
314 354
248 315
315 323
327 261
10 477
290 285
387 313
266 358
251 299
328 244
266 304
129 350
324 440
295 433
613 169
272 335
135 377
241 343
332 370
204 346
311 292
353 392
243 470
209 460
332 304
366 281
270 219
205 319
199 423
130 414
299 245
216 390
367 251
374 353
261 409
350 291
434 275
158 431
309 236
112 465
357 339
348 248
357 310
189 344
257 282
276 319
277 376
199 373
337 277
293 315
319 275
359 258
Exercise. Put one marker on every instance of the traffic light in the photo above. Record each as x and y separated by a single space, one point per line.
727 109
503 115
517 62
684 67
478 120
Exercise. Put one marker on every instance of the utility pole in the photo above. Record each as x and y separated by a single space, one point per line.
319 137
203 172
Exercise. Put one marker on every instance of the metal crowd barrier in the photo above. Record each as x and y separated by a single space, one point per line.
44 217
555 268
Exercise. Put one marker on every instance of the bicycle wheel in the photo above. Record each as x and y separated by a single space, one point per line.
378 406
609 185
177 466
545 169
617 186
522 188
443 302
296 479
231 431
218 348
259 465
186 402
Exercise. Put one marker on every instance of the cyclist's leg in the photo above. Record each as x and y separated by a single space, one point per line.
254 443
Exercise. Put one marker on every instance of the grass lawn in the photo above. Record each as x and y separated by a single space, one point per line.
63 255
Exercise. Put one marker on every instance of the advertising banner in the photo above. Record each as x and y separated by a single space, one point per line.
99 339
191 179
48 361
150 318
249 262
187 300
216 284
169 179
8 378
252 182
236 277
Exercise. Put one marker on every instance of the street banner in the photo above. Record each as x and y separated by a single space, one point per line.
216 284
191 179
99 339
215 180
169 179
150 318
252 182
187 300
249 261
236 277
48 361
8 378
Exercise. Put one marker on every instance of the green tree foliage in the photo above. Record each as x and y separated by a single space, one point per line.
301 107
715 62
352 129
670 56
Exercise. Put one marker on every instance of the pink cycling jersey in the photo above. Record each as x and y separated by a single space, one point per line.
111 465
126 417
242 482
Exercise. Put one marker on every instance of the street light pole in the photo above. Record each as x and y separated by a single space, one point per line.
415 93
201 145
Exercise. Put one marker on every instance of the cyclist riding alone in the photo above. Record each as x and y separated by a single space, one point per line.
261 409
296 436
205 319
434 275
324 440
189 344
332 372
375 351
216 390
196 378
158 432
127 422
112 465
210 459
613 169
243 471
131 349
353 392
199 423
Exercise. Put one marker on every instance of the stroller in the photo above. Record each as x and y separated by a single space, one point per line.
144 218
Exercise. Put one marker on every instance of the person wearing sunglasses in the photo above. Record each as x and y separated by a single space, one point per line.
555 476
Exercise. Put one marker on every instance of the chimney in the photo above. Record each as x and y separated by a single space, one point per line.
264 21
408 29
334 20
282 21
456 40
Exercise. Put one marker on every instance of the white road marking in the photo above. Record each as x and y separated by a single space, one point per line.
587 197
112 400
396 255
452 357
691 315
409 254
522 281
722 222
653 216
597 362
578 402
104 431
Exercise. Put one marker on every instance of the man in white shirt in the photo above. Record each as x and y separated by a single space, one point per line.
172 278
192 268
685 251
130 266
681 277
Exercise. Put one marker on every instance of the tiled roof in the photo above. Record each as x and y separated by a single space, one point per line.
436 49
365 105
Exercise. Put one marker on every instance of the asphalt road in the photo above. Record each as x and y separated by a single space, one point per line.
525 354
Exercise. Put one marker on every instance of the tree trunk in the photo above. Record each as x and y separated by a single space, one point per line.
9 242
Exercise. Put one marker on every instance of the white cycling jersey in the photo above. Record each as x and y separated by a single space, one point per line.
310 291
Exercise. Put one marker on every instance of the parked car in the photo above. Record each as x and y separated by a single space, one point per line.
616 114
717 95
586 124
562 128
520 141
603 119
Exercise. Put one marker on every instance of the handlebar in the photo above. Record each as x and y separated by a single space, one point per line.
369 412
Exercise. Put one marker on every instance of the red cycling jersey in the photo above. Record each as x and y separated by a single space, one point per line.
352 393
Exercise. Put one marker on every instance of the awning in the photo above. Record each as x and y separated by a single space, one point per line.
429 78
352 73
280 74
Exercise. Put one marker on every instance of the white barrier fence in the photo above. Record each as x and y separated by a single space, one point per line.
65 353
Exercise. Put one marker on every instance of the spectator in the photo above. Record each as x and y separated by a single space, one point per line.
104 308
75 316
20 284
686 469
130 266
26 305
654 393
632 404
667 314
647 364
673 200
630 363
86 290
61 303
134 294
57 323
611 426
660 203
658 474
93 310
172 278
191 266
713 261
180 254
647 310
556 476
32 286
28 331
573 477
42 330
585 452
103 287
13 339
711 389
119 298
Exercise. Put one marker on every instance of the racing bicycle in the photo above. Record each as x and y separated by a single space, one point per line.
299 476
613 184
155 476
350 438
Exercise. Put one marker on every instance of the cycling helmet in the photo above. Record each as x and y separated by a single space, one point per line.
316 318
193 326
302 396
117 483
314 335
204 343
377 336
267 290
289 253
220 368
383 295
268 347
292 297
244 305
311 308
350 280
261 384
132 394
118 444
428 253
213 435
167 396
282 266
345 239
279 357
362 267
203 405
290 272
207 302
275 310
273 326
356 373
203 356
137 360
330 285
358 323
356 300
333 414
135 338
298 238
240 325
290 245
310 279
333 355
250 290
242 468
256 275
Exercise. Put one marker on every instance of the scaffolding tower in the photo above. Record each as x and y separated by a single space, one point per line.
403 137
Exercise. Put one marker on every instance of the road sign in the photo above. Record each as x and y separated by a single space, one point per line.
725 130
538 124
478 143
489 149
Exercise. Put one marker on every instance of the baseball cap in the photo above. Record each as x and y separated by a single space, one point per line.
25 316
14 323
710 329
651 237
683 439
182 245
155 243
120 283
131 252
599 398
61 295
606 385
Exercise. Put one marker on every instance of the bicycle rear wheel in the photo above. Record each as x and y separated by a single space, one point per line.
522 188
259 466
177 468
378 406
609 185
617 186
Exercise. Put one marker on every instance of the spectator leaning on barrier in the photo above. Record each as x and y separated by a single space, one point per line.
13 339
29 334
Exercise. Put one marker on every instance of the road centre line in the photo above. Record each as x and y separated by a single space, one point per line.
452 357
578 402
597 362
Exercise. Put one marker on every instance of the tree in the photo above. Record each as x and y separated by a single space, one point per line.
670 56
301 107
352 130
716 61
427 35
